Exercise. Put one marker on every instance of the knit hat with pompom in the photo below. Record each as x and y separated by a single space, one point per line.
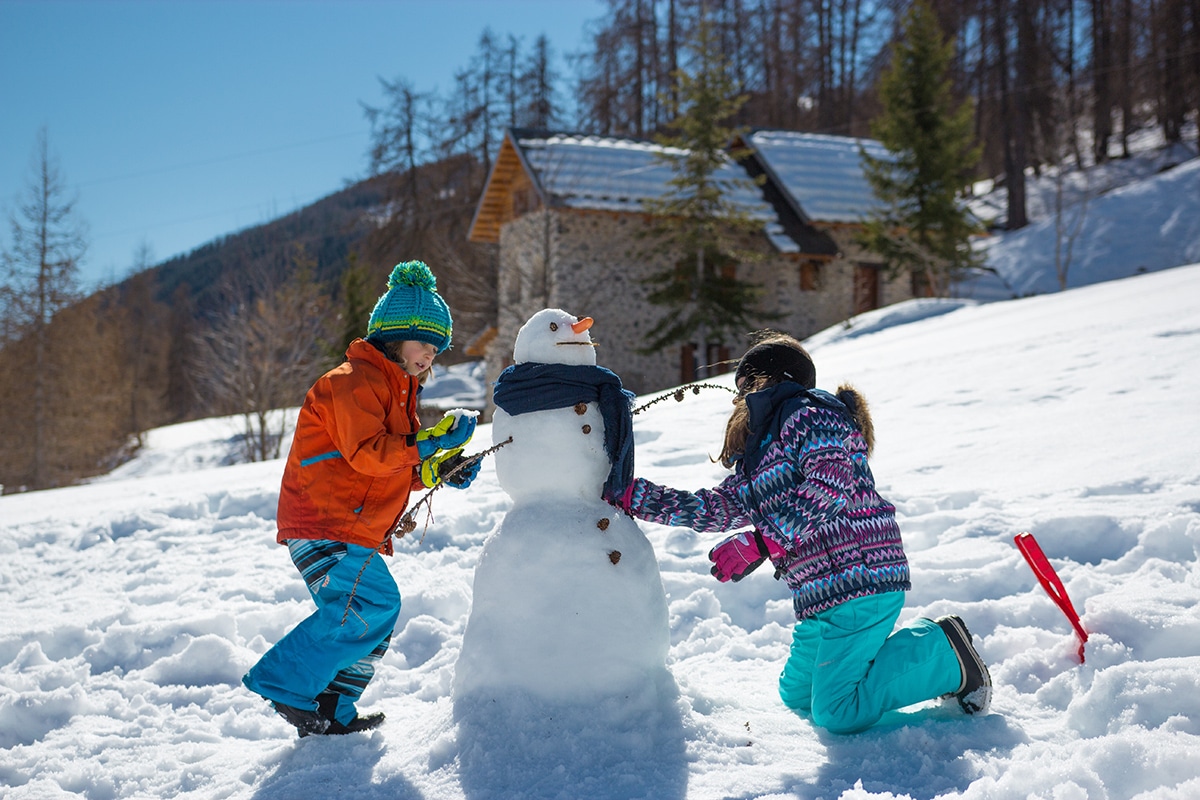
411 309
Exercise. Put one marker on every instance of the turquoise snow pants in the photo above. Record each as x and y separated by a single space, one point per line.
847 667
323 655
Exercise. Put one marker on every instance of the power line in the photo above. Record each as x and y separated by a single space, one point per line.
184 221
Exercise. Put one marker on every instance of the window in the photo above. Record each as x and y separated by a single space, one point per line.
524 200
687 363
866 287
718 265
810 276
716 362
718 359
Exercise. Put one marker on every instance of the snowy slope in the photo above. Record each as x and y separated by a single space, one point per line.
133 606
1108 221
1143 226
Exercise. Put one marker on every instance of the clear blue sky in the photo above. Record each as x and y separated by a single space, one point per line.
179 121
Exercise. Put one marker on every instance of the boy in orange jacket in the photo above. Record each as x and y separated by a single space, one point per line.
356 455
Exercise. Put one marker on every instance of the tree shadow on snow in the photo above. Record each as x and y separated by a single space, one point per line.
512 745
918 754
324 767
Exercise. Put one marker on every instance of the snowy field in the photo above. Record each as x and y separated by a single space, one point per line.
132 606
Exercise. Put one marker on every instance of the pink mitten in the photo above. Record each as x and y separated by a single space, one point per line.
623 502
740 554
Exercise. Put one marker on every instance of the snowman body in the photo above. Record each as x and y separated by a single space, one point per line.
568 601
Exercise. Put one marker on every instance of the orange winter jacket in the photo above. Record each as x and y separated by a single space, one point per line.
353 461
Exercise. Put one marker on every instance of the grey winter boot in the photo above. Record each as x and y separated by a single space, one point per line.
975 692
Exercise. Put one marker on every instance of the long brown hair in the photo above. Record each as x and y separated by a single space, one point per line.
737 428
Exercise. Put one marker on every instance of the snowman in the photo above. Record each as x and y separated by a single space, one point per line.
568 600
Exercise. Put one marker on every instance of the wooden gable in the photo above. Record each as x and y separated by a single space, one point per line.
510 192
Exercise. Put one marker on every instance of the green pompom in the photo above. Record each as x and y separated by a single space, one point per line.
412 273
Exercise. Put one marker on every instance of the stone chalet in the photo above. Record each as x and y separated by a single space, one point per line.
566 210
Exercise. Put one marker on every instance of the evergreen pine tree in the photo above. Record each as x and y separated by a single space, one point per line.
922 227
695 219
355 304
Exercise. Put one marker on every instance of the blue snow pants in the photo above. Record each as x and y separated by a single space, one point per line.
847 667
322 654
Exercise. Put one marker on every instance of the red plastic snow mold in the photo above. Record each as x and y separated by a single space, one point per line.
1051 583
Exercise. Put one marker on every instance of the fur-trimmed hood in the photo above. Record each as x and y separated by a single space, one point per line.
856 404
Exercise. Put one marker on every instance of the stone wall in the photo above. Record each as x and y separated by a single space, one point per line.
592 263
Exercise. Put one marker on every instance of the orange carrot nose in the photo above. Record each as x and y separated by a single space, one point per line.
582 325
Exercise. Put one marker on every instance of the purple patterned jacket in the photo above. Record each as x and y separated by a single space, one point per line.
804 481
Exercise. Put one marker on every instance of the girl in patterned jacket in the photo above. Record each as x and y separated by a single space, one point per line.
356 455
801 482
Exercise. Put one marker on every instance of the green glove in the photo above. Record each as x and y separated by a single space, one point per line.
435 466
453 430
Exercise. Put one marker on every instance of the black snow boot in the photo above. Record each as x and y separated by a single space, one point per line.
327 706
975 692
306 722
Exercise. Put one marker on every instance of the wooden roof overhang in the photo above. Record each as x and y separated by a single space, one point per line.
509 173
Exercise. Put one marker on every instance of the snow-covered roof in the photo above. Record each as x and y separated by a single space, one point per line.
608 173
811 178
617 174
822 174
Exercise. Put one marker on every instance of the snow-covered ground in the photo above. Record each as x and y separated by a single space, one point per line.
133 606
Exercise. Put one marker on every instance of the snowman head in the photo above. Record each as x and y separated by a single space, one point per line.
552 336
555 374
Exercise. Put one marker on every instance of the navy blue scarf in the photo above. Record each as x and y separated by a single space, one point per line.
523 388
771 407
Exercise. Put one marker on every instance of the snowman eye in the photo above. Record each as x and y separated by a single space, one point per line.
553 326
